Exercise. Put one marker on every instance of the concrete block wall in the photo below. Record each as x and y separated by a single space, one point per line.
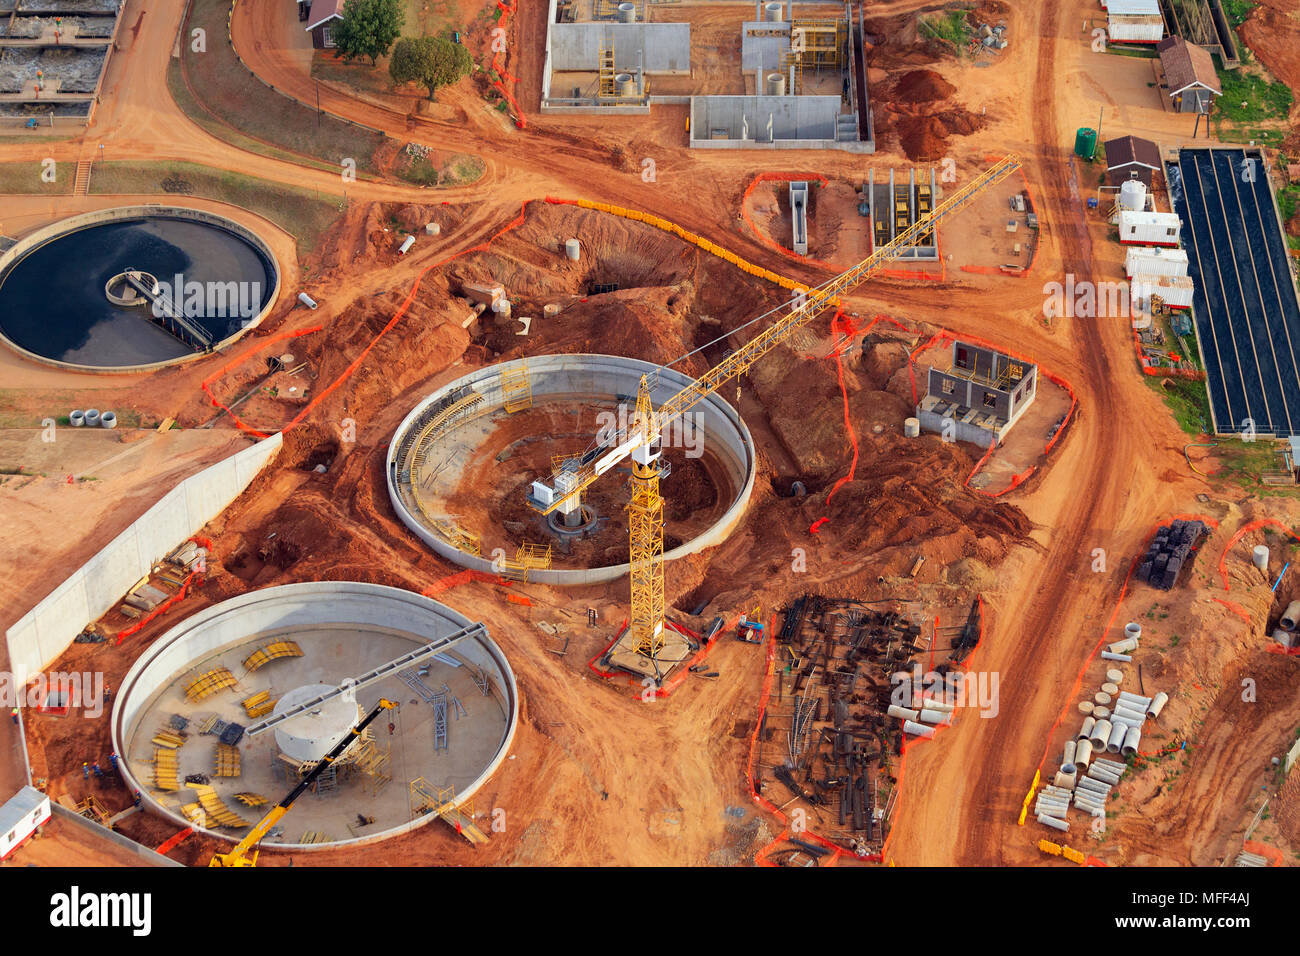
42 634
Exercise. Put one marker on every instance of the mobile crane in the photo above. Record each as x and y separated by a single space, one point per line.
241 855
640 439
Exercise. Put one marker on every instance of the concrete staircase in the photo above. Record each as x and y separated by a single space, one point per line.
846 128
82 185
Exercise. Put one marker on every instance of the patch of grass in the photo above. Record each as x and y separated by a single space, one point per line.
458 169
1265 98
25 178
1138 52
1237 11
238 108
951 26
1188 400
300 212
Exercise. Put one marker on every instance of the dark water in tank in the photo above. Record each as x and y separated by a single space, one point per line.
52 301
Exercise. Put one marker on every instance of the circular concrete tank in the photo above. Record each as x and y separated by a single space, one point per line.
775 84
772 12
557 379
343 629
220 275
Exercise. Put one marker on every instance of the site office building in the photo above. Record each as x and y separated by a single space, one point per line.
20 816
1149 228
1134 21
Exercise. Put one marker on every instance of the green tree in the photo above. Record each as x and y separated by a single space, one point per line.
368 28
431 61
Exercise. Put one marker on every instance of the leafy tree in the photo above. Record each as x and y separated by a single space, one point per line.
368 28
431 61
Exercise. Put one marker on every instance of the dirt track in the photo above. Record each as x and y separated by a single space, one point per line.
1039 634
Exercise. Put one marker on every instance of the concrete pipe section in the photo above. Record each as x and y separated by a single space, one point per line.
342 629
460 466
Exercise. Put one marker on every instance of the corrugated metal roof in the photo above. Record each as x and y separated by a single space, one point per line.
1133 8
19 807
1134 217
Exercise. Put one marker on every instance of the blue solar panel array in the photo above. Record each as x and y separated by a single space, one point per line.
1247 316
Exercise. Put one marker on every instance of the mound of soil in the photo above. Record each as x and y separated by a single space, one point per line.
922 86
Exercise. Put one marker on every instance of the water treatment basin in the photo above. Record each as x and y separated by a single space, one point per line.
207 280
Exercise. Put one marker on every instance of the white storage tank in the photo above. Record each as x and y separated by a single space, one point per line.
1149 228
1154 261
1133 195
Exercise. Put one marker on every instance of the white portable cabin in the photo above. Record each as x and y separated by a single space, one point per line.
1153 261
1134 21
20 816
1175 290
1149 228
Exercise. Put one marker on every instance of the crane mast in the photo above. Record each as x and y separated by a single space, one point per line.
641 437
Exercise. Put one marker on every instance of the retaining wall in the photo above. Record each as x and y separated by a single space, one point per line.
42 634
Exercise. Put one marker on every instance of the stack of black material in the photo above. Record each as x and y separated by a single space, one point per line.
1170 550
232 734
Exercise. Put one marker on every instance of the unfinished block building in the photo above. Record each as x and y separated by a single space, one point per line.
800 82
979 396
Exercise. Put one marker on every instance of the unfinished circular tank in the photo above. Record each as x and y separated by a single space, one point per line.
461 464
182 716
137 288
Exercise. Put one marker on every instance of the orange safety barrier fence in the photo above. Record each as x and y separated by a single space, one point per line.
1241 533
207 382
1148 369
160 609
506 9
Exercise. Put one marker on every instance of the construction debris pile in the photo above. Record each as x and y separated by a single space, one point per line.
1170 549
826 735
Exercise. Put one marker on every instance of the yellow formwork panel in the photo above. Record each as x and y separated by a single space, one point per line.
208 683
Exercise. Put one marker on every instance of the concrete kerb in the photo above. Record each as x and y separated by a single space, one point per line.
313 603
71 224
581 377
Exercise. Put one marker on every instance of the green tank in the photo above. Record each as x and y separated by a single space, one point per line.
1085 143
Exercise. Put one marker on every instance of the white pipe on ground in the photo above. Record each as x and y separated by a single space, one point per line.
1131 741
1157 705
1100 734
1086 730
905 713
1112 656
1083 753
1136 699
1053 823
919 730
1070 747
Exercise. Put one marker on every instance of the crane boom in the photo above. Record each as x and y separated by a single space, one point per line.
568 484
239 856
639 439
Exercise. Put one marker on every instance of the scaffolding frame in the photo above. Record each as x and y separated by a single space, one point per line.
516 386
822 43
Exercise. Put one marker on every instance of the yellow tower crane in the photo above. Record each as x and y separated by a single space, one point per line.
640 438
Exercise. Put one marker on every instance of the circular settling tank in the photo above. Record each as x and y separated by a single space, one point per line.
256 655
461 464
134 287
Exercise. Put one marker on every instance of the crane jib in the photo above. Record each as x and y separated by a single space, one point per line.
806 305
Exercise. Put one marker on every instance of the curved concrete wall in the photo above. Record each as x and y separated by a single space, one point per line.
99 217
581 377
308 604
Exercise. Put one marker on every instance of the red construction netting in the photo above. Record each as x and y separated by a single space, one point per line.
498 64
